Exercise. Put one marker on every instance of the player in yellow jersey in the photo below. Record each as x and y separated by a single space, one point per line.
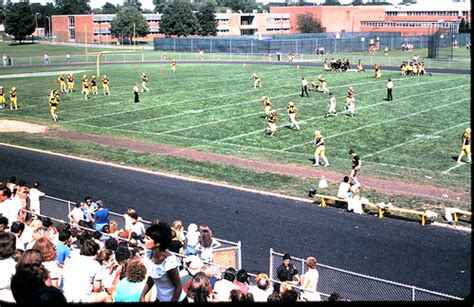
85 88
94 90
320 150
377 71
173 65
13 99
70 83
144 79
466 146
257 81
323 84
84 77
62 83
105 84
350 101
267 105
271 119
292 110
2 98
53 105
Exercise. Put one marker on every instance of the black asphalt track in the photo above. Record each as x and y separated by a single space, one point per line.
429 257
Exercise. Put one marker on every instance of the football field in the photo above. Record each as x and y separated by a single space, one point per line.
214 107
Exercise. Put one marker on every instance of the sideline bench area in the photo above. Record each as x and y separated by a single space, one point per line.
422 214
382 209
457 213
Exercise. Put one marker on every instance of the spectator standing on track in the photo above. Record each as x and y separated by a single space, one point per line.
389 90
77 214
356 164
309 281
304 87
46 58
35 196
68 58
100 216
286 273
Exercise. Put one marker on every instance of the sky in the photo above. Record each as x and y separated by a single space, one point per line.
148 4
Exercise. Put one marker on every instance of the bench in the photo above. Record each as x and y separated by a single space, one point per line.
382 210
458 213
324 198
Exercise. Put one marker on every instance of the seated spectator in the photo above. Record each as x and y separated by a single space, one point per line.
7 265
48 254
199 289
48 296
63 249
17 229
262 289
237 296
242 281
128 220
192 265
3 223
275 297
26 282
223 287
344 190
162 265
289 296
336 297
51 231
130 288
110 270
192 240
206 244
82 276
17 254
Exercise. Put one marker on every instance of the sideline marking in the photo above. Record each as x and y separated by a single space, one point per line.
41 74
454 167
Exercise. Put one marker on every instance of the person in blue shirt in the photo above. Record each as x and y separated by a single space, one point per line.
99 216
63 250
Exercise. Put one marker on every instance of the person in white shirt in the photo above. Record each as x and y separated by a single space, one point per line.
35 195
77 214
344 190
262 289
10 208
7 265
223 287
136 227
310 280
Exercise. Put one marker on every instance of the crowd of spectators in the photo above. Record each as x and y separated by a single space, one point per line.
91 260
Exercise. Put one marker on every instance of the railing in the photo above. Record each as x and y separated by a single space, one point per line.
228 254
359 287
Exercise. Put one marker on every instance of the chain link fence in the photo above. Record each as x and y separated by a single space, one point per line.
358 287
228 254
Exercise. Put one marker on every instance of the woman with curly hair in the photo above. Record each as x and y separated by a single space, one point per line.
130 288
200 290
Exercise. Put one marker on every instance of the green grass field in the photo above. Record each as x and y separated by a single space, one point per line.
214 108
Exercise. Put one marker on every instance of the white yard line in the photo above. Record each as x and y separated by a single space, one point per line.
382 122
454 167
420 138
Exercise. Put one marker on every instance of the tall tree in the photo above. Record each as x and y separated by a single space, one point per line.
41 12
109 8
331 2
207 23
19 20
357 2
306 23
178 19
124 21
72 7
160 5
246 6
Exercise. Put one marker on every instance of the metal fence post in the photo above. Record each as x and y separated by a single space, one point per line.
239 244
270 271
412 294
69 207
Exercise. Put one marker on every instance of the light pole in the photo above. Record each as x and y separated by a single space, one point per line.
36 26
49 26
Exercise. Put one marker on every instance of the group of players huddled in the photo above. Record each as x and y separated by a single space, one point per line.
13 98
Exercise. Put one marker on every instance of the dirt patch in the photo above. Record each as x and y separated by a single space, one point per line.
389 187
7 125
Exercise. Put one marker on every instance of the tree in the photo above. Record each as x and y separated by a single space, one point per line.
160 5
41 12
331 2
207 24
122 25
72 7
178 19
109 8
306 23
357 2
19 20
464 26
246 6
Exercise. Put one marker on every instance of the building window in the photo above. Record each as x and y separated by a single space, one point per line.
71 28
